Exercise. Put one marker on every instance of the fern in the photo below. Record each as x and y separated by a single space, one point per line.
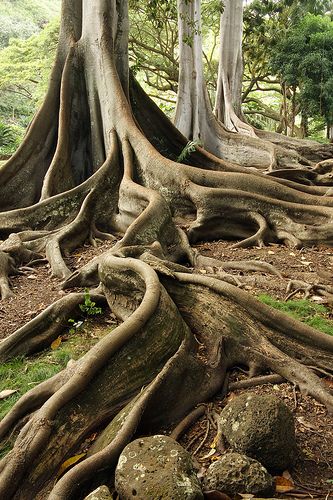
190 147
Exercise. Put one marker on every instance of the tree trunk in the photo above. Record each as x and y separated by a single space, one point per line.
194 116
330 132
228 104
93 172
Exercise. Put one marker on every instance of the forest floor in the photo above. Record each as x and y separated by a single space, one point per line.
312 476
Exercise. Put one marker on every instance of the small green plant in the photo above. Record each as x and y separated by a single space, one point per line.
190 147
89 307
315 315
74 325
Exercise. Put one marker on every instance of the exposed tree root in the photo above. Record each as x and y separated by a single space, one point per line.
189 420
99 173
255 381
44 328
309 289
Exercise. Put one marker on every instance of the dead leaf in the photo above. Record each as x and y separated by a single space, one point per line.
56 343
246 495
328 382
283 485
210 454
215 495
6 393
306 424
68 463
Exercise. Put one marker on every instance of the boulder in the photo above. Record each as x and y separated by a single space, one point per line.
101 493
235 473
261 427
156 467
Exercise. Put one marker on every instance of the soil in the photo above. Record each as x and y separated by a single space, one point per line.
312 476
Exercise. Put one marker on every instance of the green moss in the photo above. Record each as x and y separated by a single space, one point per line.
316 315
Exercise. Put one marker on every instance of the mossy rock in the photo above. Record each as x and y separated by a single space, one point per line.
235 473
261 427
156 467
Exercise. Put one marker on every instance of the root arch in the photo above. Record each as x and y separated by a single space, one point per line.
101 173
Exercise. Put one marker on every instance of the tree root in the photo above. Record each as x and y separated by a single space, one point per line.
261 348
114 438
96 168
189 420
246 266
255 381
44 328
296 286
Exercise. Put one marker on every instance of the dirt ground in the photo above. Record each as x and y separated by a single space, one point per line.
312 476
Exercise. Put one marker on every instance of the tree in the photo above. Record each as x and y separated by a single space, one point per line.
98 170
229 83
303 58
24 73
23 18
194 115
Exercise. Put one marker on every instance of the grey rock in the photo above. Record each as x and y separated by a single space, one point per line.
101 493
156 467
235 473
261 427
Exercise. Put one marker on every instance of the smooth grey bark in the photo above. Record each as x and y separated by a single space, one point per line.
230 74
194 116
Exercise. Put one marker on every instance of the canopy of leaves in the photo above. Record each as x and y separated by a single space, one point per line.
22 18
304 58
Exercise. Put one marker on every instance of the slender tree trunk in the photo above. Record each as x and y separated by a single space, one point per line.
228 104
330 132
194 116
192 101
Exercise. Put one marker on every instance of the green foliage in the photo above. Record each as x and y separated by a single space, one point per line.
24 73
10 138
22 373
190 147
23 18
315 315
304 58
89 307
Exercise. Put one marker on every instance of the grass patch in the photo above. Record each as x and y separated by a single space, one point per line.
22 374
315 315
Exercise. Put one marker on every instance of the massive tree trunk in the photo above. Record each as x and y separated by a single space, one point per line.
97 170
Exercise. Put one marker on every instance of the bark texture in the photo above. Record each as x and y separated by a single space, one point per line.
104 167
228 105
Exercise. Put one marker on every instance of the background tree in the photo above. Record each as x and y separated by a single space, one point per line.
23 18
266 22
25 64
230 74
303 59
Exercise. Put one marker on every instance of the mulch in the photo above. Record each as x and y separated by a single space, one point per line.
313 473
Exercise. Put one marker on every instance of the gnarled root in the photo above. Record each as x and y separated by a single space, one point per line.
144 348
231 327
44 328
